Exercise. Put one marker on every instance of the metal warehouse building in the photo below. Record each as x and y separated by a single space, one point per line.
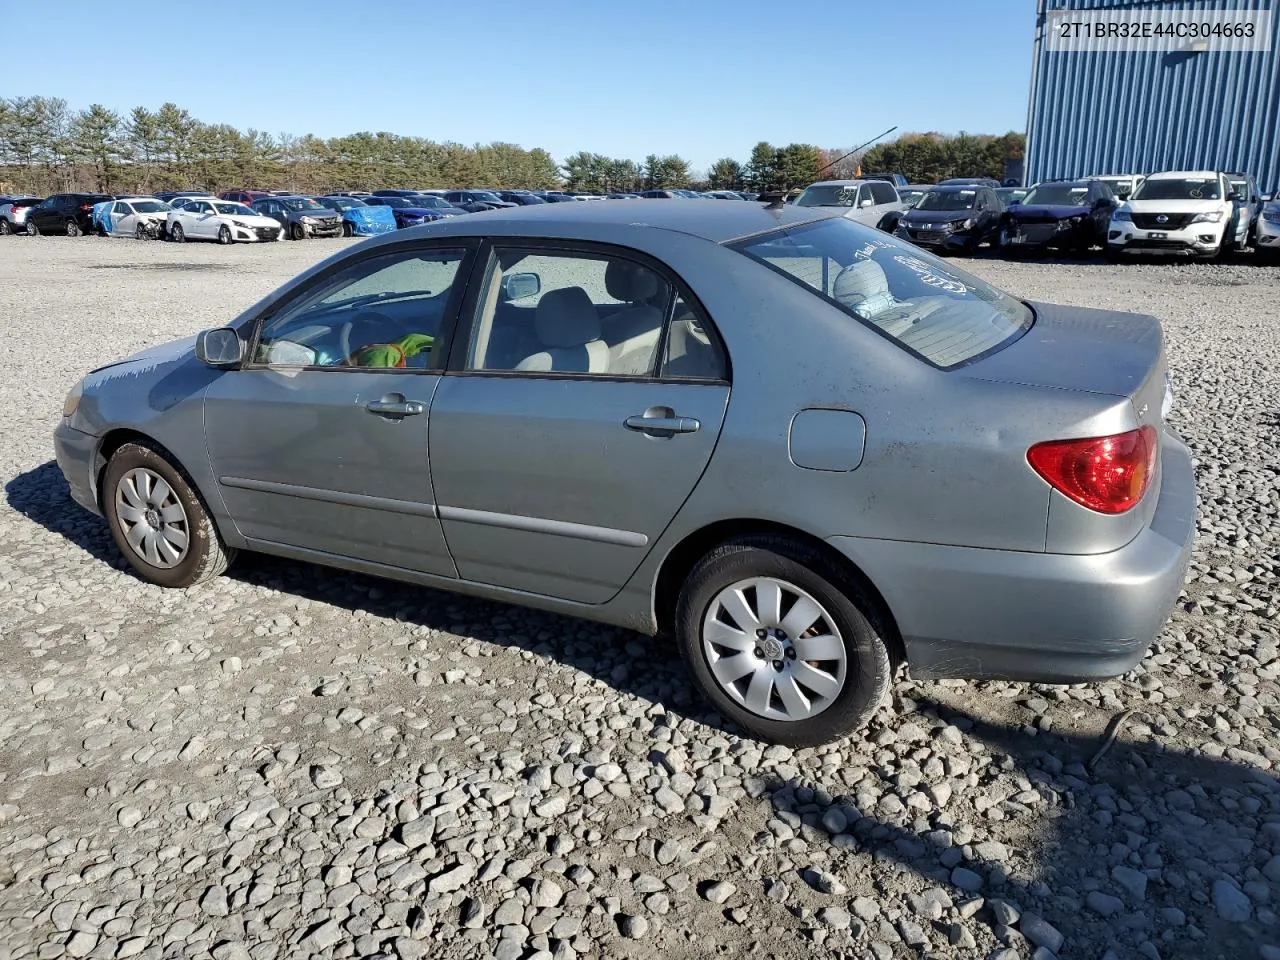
1110 109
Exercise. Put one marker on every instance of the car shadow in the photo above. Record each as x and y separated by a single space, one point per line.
1176 822
618 657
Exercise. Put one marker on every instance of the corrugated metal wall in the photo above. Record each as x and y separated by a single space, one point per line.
1102 112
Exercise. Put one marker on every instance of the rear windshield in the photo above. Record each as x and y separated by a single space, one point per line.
938 312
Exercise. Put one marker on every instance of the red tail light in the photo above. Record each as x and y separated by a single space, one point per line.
86 206
1106 474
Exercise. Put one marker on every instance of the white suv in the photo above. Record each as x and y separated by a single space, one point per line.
1192 214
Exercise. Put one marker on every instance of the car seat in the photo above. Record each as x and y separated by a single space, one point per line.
568 327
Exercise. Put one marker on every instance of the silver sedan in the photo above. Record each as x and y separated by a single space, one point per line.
810 451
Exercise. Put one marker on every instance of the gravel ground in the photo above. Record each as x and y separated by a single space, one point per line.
292 761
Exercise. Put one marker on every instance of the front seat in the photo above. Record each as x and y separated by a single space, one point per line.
568 325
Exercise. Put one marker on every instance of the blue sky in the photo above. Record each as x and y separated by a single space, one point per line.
702 79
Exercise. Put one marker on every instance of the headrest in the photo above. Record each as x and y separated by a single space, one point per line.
566 318
861 280
630 282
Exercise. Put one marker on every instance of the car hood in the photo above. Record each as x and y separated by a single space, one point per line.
257 220
936 216
1173 206
324 213
1047 211
150 358
1076 348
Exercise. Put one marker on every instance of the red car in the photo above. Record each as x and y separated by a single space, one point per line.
243 196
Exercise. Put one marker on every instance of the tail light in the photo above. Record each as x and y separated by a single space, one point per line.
1106 474
86 206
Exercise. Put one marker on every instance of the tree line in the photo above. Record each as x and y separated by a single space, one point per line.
46 147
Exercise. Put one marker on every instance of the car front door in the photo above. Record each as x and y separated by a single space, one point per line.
122 219
560 453
319 442
41 215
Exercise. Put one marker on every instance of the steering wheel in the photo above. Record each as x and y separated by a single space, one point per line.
371 320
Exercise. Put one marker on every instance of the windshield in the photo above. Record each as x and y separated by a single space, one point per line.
234 209
301 203
938 312
911 197
341 203
1241 187
948 200
1057 194
486 196
1178 188
150 206
829 195
430 203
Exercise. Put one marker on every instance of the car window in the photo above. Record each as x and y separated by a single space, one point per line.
122 209
883 193
693 349
554 312
937 311
383 312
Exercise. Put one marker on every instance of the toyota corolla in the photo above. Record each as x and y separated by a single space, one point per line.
807 449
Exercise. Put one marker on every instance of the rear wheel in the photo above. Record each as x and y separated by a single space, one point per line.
224 235
5 229
782 641
158 521
178 234
73 229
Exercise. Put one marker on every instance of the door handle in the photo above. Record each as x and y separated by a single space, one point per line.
395 406
661 422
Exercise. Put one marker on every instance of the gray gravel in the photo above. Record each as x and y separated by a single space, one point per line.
295 762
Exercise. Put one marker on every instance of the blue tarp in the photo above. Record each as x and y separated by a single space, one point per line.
101 215
370 221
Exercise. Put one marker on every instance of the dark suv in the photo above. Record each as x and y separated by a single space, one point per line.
69 213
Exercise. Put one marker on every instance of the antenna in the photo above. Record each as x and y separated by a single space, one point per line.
856 149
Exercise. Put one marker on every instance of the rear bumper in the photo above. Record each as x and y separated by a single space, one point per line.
1046 618
76 453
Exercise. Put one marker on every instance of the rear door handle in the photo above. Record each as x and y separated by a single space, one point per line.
395 406
661 422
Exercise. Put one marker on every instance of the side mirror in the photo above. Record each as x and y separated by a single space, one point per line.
866 203
1234 196
517 286
221 347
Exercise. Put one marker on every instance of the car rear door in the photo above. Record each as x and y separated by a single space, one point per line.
557 457
318 446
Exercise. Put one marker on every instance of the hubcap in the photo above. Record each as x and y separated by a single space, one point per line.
152 518
774 649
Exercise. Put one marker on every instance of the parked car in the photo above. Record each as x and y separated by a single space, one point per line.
247 197
522 198
662 195
1010 195
1070 215
555 196
395 193
625 196
358 194
910 195
1249 205
1267 236
416 210
722 195
1181 214
748 195
873 202
66 213
970 181
933 434
226 221
360 219
168 196
301 217
953 218
143 218
13 214
1122 184
897 179
474 201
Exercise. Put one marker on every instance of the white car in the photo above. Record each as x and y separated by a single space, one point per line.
223 220
141 217
1181 214
1267 236
873 202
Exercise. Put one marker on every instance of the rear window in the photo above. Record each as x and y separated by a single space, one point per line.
943 315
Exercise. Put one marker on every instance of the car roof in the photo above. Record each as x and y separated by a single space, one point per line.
836 183
718 223
1181 174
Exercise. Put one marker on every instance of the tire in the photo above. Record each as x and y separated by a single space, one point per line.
178 234
347 229
140 232
858 678
125 495
73 229
296 232
224 235
32 229
5 229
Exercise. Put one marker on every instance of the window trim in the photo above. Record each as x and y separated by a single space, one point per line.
448 322
486 260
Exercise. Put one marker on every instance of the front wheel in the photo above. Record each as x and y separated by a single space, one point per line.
347 229
224 235
179 235
140 232
158 521
296 232
783 641
5 229
32 229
